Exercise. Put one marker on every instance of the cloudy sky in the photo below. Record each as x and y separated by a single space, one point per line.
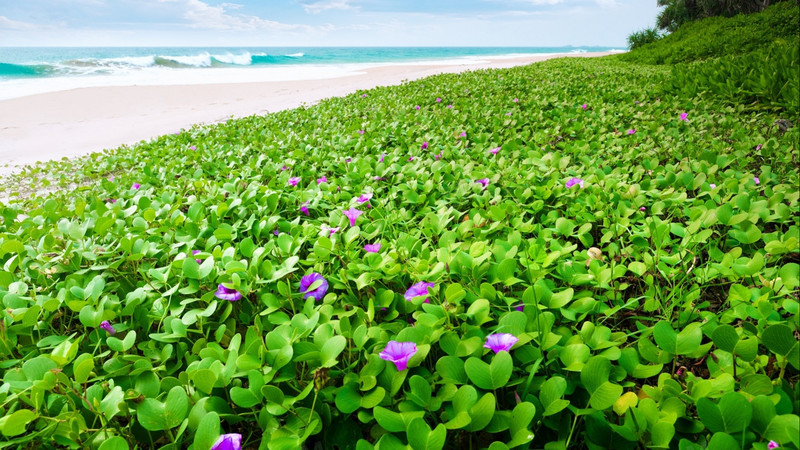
322 22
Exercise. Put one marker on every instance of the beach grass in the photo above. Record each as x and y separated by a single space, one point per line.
638 244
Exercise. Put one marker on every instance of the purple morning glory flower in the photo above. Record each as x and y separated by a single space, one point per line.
284 168
348 160
756 180
378 178
224 293
516 100
424 145
365 197
352 214
508 113
322 179
332 230
685 117
713 186
483 181
642 208
758 147
438 100
632 130
500 342
418 290
360 131
410 158
373 248
439 156
294 180
574 181
772 445
111 178
276 232
449 106
192 147
584 106
318 292
194 252
417 107
136 186
304 208
231 441
520 307
463 134
399 353
106 325
363 95
494 150
382 156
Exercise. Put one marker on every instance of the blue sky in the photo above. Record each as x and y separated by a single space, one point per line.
322 22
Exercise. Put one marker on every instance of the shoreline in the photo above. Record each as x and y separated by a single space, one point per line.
77 122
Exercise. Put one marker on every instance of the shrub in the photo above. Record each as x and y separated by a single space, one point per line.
640 38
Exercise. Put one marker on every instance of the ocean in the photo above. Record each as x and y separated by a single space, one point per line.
32 70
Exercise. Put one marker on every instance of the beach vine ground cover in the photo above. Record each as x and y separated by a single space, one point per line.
522 271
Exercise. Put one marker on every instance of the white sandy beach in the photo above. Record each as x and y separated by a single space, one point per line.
81 121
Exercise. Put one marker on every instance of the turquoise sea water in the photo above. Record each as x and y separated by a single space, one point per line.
49 62
31 70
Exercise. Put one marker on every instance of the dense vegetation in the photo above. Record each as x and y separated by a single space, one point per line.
641 249
722 36
678 12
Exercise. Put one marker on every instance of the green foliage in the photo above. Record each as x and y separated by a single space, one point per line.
671 326
722 36
642 37
678 12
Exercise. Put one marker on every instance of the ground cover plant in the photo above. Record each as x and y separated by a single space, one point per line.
551 256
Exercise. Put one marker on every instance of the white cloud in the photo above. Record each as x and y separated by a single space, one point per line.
325 5
8 24
607 3
204 16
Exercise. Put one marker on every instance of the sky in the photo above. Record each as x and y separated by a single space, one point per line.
259 23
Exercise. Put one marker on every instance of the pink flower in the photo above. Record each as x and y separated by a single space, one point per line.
294 180
352 214
378 178
330 230
194 252
438 100
399 353
192 147
360 131
382 156
632 130
685 117
439 156
758 147
584 106
136 186
230 441
410 158
573 182
463 134
284 168
483 181
494 150
226 293
713 186
772 445
111 178
106 325
449 106
500 342
363 95
417 107
756 180
373 248
508 113
322 179
418 290
516 100
364 197
642 208
424 145
304 208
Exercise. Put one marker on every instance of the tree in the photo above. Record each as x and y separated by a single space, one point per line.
678 12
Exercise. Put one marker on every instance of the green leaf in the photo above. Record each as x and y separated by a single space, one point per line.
15 423
722 441
420 436
490 376
451 369
725 337
595 380
204 380
208 431
114 443
481 413
150 415
110 404
243 397
733 413
550 395
420 392
191 269
331 349
175 407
